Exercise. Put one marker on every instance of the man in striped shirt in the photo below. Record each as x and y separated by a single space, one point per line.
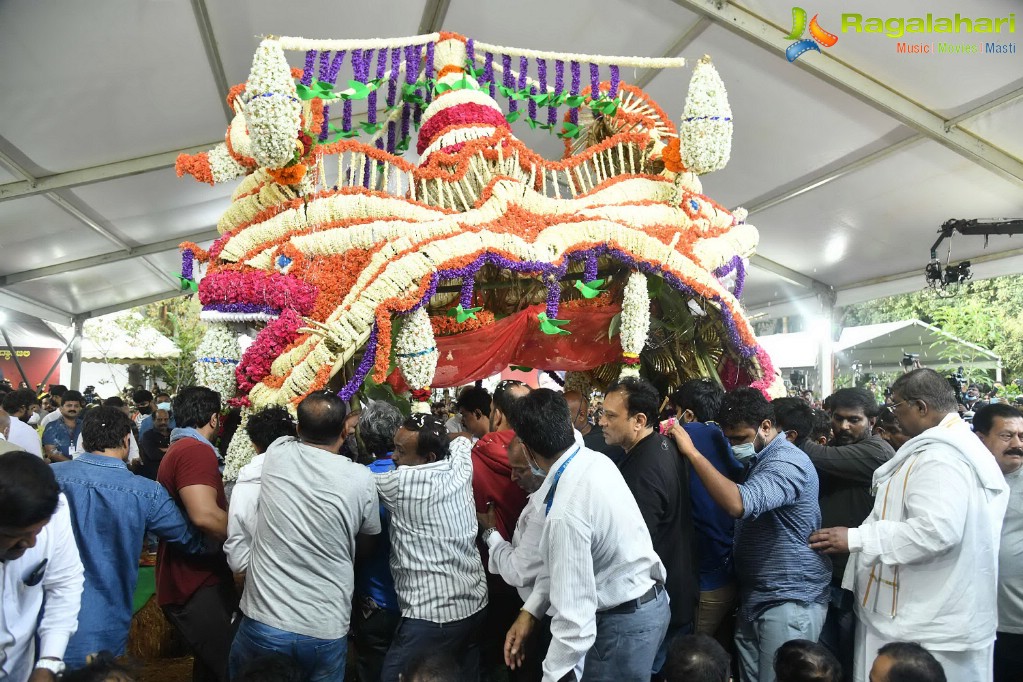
438 573
783 583
600 572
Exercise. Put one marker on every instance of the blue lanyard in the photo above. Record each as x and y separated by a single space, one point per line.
554 484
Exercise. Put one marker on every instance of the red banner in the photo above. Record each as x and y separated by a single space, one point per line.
35 361
517 340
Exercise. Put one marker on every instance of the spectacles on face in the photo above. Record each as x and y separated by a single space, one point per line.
896 406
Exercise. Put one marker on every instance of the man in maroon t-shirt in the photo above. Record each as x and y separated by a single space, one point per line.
197 593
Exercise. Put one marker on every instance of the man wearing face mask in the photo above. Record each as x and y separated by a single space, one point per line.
143 400
163 402
846 467
782 582
197 593
111 511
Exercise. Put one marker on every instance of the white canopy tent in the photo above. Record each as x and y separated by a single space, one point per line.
848 159
881 348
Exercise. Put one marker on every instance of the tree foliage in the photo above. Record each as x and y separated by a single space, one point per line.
988 313
178 320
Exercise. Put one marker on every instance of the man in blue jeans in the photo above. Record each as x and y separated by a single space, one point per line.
314 505
783 583
111 511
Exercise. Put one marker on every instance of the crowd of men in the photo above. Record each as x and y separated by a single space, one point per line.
729 538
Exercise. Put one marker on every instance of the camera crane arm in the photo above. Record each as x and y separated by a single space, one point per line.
976 227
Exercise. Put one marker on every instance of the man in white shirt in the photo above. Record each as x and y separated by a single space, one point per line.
262 428
600 572
924 564
519 562
5 431
18 405
438 573
1000 428
38 561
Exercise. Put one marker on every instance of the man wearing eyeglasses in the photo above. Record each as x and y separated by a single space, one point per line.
600 573
438 573
1000 429
924 564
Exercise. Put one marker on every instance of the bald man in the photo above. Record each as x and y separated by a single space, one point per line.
5 431
593 435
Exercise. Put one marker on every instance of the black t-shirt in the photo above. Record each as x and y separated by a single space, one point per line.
150 453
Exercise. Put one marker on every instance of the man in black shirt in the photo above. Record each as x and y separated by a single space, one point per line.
593 435
846 468
154 445
657 475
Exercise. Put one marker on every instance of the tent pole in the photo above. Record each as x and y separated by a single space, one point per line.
56 363
826 361
14 355
76 355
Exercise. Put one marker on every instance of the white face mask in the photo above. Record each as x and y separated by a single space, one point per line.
163 406
744 451
34 419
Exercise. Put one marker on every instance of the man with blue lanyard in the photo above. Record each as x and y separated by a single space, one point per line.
600 572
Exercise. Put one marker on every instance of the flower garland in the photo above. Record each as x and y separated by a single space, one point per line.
635 322
256 291
269 344
706 130
241 450
273 110
444 325
216 357
417 356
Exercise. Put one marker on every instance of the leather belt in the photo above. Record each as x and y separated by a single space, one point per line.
634 604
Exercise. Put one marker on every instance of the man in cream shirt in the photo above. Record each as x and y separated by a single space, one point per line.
924 564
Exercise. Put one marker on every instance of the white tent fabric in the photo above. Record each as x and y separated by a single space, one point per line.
111 343
848 159
880 348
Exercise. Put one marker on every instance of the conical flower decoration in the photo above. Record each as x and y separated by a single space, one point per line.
241 450
417 357
216 360
635 322
706 130
273 110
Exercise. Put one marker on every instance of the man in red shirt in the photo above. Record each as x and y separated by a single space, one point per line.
197 593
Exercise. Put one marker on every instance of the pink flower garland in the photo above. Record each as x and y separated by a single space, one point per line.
271 289
267 347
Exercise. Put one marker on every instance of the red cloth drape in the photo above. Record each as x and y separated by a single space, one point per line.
517 340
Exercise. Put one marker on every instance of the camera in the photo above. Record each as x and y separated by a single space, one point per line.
910 360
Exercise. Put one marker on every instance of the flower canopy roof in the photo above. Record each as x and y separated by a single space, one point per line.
336 246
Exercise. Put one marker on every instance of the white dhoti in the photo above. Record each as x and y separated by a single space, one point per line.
974 665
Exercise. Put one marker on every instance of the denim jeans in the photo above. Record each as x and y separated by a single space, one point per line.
414 637
321 660
757 641
627 643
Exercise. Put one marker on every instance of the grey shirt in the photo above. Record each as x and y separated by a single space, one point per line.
311 507
1010 560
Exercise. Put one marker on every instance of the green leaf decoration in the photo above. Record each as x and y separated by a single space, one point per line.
541 99
505 90
371 128
442 87
512 116
324 86
520 368
356 91
533 123
187 284
569 130
575 100
403 145
546 126
552 327
305 92
615 327
590 289
462 314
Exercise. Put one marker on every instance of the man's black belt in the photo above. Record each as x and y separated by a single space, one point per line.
634 604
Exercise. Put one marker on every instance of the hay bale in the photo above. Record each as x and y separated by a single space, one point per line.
152 636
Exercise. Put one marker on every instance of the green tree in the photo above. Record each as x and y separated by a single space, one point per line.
988 313
178 320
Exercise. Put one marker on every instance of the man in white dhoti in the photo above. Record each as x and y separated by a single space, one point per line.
924 564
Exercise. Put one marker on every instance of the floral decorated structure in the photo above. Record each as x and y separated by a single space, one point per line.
349 261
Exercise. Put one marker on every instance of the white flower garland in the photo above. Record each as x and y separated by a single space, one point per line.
216 358
417 353
223 167
635 320
241 450
706 130
273 110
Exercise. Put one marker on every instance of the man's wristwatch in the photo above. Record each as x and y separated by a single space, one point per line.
52 664
487 533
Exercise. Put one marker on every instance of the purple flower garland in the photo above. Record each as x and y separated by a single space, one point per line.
507 82
573 113
559 87
187 260
310 64
368 356
488 74
392 97
594 81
